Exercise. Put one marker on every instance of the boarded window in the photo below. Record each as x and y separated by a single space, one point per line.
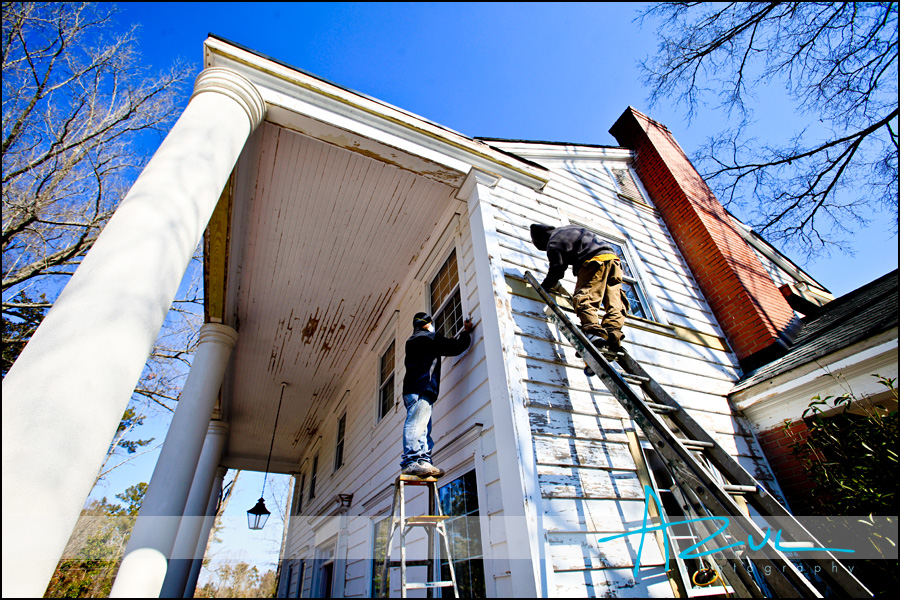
446 304
626 184
459 500
386 382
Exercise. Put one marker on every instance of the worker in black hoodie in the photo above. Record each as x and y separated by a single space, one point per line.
421 384
598 273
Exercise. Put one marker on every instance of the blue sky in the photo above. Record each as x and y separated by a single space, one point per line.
536 71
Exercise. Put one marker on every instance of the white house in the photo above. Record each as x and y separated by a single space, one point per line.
330 218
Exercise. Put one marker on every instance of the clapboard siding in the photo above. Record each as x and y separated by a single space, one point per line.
588 478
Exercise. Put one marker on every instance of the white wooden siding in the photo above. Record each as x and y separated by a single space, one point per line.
588 479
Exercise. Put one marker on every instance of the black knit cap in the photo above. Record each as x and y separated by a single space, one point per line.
540 235
421 320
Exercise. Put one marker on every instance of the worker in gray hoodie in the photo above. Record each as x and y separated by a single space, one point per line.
598 273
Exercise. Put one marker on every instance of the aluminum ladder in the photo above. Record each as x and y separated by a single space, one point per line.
433 522
699 465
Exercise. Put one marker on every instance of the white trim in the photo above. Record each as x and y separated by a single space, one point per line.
303 94
770 402
519 490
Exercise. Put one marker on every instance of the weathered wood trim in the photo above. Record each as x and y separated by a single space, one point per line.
216 246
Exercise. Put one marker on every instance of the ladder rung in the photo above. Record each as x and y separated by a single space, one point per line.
696 443
740 489
661 408
426 519
395 564
428 584
634 378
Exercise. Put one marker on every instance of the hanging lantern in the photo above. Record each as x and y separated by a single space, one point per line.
258 515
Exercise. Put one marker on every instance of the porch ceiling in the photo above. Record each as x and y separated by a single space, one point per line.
323 233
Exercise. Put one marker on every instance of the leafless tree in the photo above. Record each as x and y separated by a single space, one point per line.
80 115
838 63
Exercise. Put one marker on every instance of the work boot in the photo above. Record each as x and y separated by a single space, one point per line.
417 470
433 471
596 339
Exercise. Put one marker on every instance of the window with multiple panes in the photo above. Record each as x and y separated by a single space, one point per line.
339 444
446 303
459 501
386 382
379 545
312 477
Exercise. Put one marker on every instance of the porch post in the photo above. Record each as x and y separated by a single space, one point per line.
203 540
194 511
144 566
520 494
64 396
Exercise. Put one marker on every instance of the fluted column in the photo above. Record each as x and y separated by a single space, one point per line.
64 396
150 546
194 512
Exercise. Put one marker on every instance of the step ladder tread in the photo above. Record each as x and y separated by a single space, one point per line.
428 584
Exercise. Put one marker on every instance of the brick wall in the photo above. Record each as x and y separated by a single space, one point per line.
789 471
752 312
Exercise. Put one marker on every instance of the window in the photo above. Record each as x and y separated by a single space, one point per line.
298 505
630 284
379 545
386 382
459 500
446 305
339 446
312 477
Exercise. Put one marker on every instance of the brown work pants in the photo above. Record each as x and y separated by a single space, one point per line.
600 283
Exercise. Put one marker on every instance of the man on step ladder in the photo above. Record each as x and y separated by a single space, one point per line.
421 384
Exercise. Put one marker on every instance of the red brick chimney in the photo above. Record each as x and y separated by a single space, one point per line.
755 317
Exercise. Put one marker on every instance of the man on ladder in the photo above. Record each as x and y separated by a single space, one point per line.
599 280
421 385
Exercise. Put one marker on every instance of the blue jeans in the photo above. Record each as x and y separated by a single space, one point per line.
417 442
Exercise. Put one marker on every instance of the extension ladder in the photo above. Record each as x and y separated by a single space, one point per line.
432 522
709 479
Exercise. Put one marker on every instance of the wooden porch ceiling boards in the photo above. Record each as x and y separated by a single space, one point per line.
321 239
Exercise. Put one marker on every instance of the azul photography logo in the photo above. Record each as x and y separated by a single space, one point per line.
736 537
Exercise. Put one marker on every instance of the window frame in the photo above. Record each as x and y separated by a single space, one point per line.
480 510
637 279
456 289
381 411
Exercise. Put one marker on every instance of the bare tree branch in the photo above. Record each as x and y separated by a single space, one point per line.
837 61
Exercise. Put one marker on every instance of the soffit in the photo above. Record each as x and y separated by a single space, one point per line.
322 238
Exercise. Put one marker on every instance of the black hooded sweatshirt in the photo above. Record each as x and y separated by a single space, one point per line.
568 245
424 350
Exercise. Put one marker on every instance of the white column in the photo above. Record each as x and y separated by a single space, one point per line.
64 396
143 568
194 511
519 489
197 563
